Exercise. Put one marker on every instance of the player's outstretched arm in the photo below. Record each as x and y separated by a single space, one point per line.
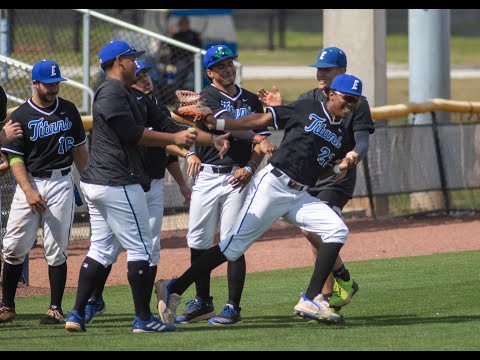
156 138
249 122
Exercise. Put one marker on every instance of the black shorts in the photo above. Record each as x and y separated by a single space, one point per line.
331 197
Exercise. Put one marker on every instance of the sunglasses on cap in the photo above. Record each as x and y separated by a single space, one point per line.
221 53
348 98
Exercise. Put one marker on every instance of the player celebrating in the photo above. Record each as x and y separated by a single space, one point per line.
114 184
217 195
158 161
331 62
313 140
41 163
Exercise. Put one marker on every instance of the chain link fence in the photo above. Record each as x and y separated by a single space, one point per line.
402 160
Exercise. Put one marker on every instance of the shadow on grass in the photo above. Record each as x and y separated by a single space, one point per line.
407 320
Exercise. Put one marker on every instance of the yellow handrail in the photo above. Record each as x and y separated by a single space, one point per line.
380 113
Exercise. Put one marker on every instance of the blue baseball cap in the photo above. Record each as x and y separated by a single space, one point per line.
142 66
217 53
47 71
330 57
116 48
347 84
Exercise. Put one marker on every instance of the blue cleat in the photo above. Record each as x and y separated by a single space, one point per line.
75 322
151 325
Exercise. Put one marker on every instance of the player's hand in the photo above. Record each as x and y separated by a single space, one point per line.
272 98
185 137
10 132
241 178
193 166
267 147
343 165
353 158
187 194
209 121
36 201
222 144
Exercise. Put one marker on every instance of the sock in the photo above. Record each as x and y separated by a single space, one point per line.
212 258
140 280
101 280
90 272
236 272
11 277
58 278
342 273
202 284
327 254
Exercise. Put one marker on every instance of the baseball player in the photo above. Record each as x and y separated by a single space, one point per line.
44 196
217 195
114 182
331 62
158 161
8 131
312 143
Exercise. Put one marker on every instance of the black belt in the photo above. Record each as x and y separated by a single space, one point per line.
217 170
292 184
48 173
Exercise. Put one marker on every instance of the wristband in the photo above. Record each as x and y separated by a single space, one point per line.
220 124
15 158
187 155
249 169
336 169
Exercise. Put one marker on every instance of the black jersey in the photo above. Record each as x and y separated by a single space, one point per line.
359 120
241 104
311 142
157 117
48 135
111 161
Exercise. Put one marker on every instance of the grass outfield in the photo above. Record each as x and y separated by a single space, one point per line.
413 303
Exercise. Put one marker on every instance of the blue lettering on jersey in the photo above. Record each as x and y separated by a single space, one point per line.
236 113
318 127
42 128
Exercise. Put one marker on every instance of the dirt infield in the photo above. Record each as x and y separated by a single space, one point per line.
284 247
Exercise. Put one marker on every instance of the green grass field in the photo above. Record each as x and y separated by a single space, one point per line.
413 303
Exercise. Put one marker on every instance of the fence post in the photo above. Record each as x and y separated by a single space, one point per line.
441 167
368 183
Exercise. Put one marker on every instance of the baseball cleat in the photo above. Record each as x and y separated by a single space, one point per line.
343 292
167 303
75 322
93 308
151 325
228 316
7 314
196 310
318 309
54 316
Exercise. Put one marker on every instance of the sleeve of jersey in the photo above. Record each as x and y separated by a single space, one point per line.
281 115
362 118
127 131
159 121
